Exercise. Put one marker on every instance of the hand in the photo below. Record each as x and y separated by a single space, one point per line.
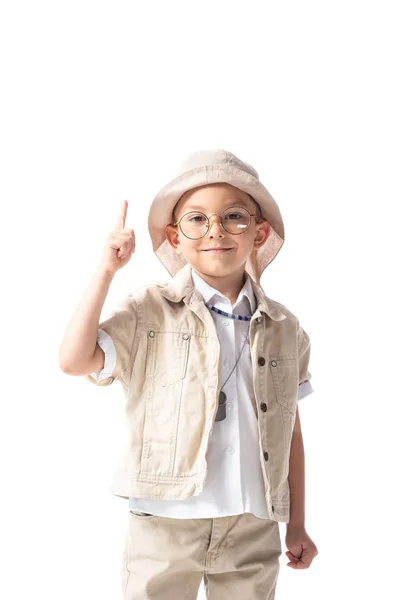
301 548
120 244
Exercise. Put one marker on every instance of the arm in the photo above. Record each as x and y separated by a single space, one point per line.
301 549
79 352
297 476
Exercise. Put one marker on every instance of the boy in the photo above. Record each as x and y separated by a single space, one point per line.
212 370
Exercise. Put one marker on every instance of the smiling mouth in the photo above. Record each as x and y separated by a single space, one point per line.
218 250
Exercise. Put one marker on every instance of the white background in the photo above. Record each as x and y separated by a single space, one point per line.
102 101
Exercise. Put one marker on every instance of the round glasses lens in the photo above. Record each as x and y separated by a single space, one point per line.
235 220
194 225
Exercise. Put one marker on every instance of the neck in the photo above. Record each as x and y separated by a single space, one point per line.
229 285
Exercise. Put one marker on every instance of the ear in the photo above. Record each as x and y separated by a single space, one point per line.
172 235
262 233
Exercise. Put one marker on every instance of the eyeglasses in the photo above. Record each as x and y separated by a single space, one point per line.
234 219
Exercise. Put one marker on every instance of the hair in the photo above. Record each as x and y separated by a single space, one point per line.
258 207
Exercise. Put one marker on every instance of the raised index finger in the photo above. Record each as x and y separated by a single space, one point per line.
120 223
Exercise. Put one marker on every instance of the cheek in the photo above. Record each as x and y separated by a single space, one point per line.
246 243
187 246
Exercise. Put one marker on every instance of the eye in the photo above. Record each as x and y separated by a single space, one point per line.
234 216
196 218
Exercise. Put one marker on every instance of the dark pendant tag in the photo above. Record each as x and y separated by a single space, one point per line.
221 412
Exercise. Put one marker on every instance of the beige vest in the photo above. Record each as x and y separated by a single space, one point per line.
168 362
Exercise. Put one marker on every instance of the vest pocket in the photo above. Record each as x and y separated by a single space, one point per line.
167 356
285 377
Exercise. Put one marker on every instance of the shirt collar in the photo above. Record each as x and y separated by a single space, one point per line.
181 287
208 292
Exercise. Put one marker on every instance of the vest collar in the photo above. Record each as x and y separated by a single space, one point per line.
182 287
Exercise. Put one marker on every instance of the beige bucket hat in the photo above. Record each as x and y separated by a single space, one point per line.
202 168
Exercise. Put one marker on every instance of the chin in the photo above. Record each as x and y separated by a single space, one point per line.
218 270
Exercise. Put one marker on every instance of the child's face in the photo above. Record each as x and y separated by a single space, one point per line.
211 199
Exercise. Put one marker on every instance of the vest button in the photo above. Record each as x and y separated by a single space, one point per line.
185 336
151 333
273 363
263 407
273 508
266 455
261 361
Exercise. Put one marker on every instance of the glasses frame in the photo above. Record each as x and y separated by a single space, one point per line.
257 219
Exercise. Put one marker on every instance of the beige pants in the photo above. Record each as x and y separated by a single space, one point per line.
166 559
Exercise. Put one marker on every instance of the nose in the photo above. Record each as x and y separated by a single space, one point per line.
215 226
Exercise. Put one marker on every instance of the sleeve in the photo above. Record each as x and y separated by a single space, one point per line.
120 329
107 345
304 349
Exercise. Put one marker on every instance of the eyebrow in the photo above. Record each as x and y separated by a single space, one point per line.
231 203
